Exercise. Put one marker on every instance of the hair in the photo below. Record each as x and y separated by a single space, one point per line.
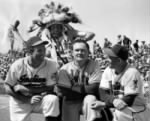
82 41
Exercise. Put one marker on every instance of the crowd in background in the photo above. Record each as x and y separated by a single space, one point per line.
139 55
6 60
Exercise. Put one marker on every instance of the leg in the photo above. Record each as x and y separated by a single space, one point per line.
71 110
123 115
20 111
127 115
50 107
90 114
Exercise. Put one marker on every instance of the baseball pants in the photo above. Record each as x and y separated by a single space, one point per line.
129 115
71 110
49 106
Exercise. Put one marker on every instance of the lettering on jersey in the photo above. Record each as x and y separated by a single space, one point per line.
35 81
117 89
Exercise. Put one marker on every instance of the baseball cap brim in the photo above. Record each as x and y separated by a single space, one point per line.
109 52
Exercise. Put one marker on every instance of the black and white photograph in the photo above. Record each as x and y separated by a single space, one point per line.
74 60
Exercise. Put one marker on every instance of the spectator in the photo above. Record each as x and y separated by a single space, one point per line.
136 45
107 43
119 40
94 47
126 42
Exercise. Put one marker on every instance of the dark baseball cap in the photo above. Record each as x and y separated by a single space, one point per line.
117 51
35 41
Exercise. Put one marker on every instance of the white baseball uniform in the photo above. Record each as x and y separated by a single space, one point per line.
69 75
22 73
129 82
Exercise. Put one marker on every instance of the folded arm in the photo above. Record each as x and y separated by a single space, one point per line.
17 95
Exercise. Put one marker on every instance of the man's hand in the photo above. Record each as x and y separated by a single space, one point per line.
119 104
98 105
35 99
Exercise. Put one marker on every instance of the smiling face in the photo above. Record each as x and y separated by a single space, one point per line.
39 52
56 30
80 52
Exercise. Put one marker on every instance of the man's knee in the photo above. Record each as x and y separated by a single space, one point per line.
50 106
51 99
89 99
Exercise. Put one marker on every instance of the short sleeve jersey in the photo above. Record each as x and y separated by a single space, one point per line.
129 80
22 73
127 83
70 74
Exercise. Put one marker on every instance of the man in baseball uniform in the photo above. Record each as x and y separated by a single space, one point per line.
78 83
121 88
30 83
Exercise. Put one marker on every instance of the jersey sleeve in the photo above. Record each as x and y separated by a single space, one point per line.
52 72
64 78
11 77
104 83
96 75
133 83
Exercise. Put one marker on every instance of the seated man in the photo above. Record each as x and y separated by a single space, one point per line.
78 83
30 83
121 88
